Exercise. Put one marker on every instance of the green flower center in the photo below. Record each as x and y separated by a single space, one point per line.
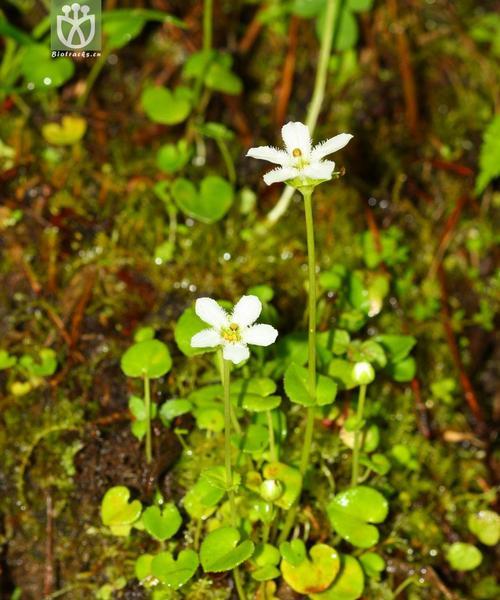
231 333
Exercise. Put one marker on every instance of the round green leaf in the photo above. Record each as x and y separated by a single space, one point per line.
256 403
485 525
297 387
202 499
313 574
221 550
175 573
162 524
463 557
142 566
293 552
349 584
253 439
150 358
351 511
164 106
42 71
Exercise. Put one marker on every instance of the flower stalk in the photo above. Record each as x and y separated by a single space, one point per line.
311 260
226 383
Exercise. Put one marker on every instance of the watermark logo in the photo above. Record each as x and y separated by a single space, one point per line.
76 27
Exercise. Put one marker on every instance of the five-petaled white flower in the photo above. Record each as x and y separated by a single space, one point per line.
300 160
232 332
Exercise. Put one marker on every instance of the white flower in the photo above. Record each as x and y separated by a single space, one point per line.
232 332
300 159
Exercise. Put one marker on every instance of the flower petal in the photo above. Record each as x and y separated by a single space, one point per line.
207 338
332 145
260 335
274 155
296 135
280 174
246 311
235 352
212 313
319 170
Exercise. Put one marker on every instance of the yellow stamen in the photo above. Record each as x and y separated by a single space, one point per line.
297 152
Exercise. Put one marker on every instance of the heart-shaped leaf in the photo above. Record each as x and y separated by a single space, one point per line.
351 511
464 557
142 567
207 205
172 157
175 573
293 552
313 574
297 387
291 480
116 511
150 358
348 585
70 131
162 524
6 360
221 550
167 107
485 525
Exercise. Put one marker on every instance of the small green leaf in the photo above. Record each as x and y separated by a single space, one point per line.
175 573
162 524
293 552
397 346
254 439
485 525
210 204
463 557
43 71
174 408
144 333
211 419
150 358
359 5
348 585
220 78
202 499
489 157
351 511
116 511
404 370
6 360
313 574
221 550
296 387
173 157
373 564
256 403
164 106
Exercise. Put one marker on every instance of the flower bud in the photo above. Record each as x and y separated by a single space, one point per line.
271 490
363 373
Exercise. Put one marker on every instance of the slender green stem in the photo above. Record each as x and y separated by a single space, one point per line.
331 17
311 262
308 434
207 24
272 443
228 160
357 435
239 585
93 75
147 406
226 382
